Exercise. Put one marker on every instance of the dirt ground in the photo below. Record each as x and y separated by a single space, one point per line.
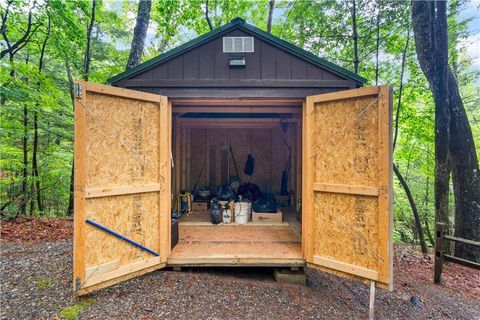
36 274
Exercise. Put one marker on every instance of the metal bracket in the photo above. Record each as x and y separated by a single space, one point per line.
78 90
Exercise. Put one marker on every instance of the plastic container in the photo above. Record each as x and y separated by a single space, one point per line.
216 213
227 216
242 211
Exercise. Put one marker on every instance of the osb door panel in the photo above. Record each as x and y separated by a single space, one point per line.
122 185
348 184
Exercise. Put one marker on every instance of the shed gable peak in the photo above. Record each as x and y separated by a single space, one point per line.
239 25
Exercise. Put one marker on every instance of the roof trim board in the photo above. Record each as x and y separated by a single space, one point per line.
241 24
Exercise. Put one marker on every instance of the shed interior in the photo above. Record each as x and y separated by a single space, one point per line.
211 144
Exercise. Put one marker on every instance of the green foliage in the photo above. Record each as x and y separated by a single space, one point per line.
73 311
322 27
44 283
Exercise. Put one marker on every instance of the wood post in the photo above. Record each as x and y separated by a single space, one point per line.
371 312
440 231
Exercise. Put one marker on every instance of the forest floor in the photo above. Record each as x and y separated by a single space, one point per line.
36 275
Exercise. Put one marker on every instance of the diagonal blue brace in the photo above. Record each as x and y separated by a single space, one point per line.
113 233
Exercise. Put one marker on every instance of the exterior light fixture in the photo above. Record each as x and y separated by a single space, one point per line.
237 62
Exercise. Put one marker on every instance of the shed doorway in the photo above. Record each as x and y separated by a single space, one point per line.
212 142
125 184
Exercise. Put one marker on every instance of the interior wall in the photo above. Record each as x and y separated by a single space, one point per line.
207 145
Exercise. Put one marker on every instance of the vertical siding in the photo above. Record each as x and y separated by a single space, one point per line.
329 76
190 65
221 60
208 62
299 69
252 69
268 59
161 72
175 68
283 65
313 72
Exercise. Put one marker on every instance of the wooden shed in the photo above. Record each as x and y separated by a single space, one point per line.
191 117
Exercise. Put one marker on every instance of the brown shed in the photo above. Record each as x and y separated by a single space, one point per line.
189 119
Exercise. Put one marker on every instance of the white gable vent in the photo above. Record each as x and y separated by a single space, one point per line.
237 44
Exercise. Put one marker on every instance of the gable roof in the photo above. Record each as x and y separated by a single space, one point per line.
240 24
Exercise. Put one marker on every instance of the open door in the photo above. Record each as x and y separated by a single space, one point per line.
347 184
122 185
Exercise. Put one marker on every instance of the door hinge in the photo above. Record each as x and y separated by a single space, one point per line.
78 90
77 284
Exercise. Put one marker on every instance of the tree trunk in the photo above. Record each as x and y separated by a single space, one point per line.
465 175
377 46
35 171
355 37
71 83
425 216
88 51
71 190
25 161
454 143
403 182
430 45
72 97
400 90
86 73
139 33
271 5
207 17
416 215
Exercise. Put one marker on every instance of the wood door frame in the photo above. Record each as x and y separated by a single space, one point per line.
385 178
274 106
82 193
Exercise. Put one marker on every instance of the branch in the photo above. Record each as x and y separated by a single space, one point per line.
399 104
5 16
27 40
12 49
206 16
416 215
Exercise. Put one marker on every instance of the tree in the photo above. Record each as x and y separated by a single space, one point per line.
355 37
35 170
454 144
207 17
139 33
12 49
416 215
86 73
30 30
271 6
321 27
88 50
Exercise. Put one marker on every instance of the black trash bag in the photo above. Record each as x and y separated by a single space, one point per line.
265 204
249 165
215 212
224 193
249 191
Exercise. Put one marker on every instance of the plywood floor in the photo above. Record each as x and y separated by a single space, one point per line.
246 245
196 216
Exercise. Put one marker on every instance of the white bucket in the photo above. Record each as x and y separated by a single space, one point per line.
242 212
